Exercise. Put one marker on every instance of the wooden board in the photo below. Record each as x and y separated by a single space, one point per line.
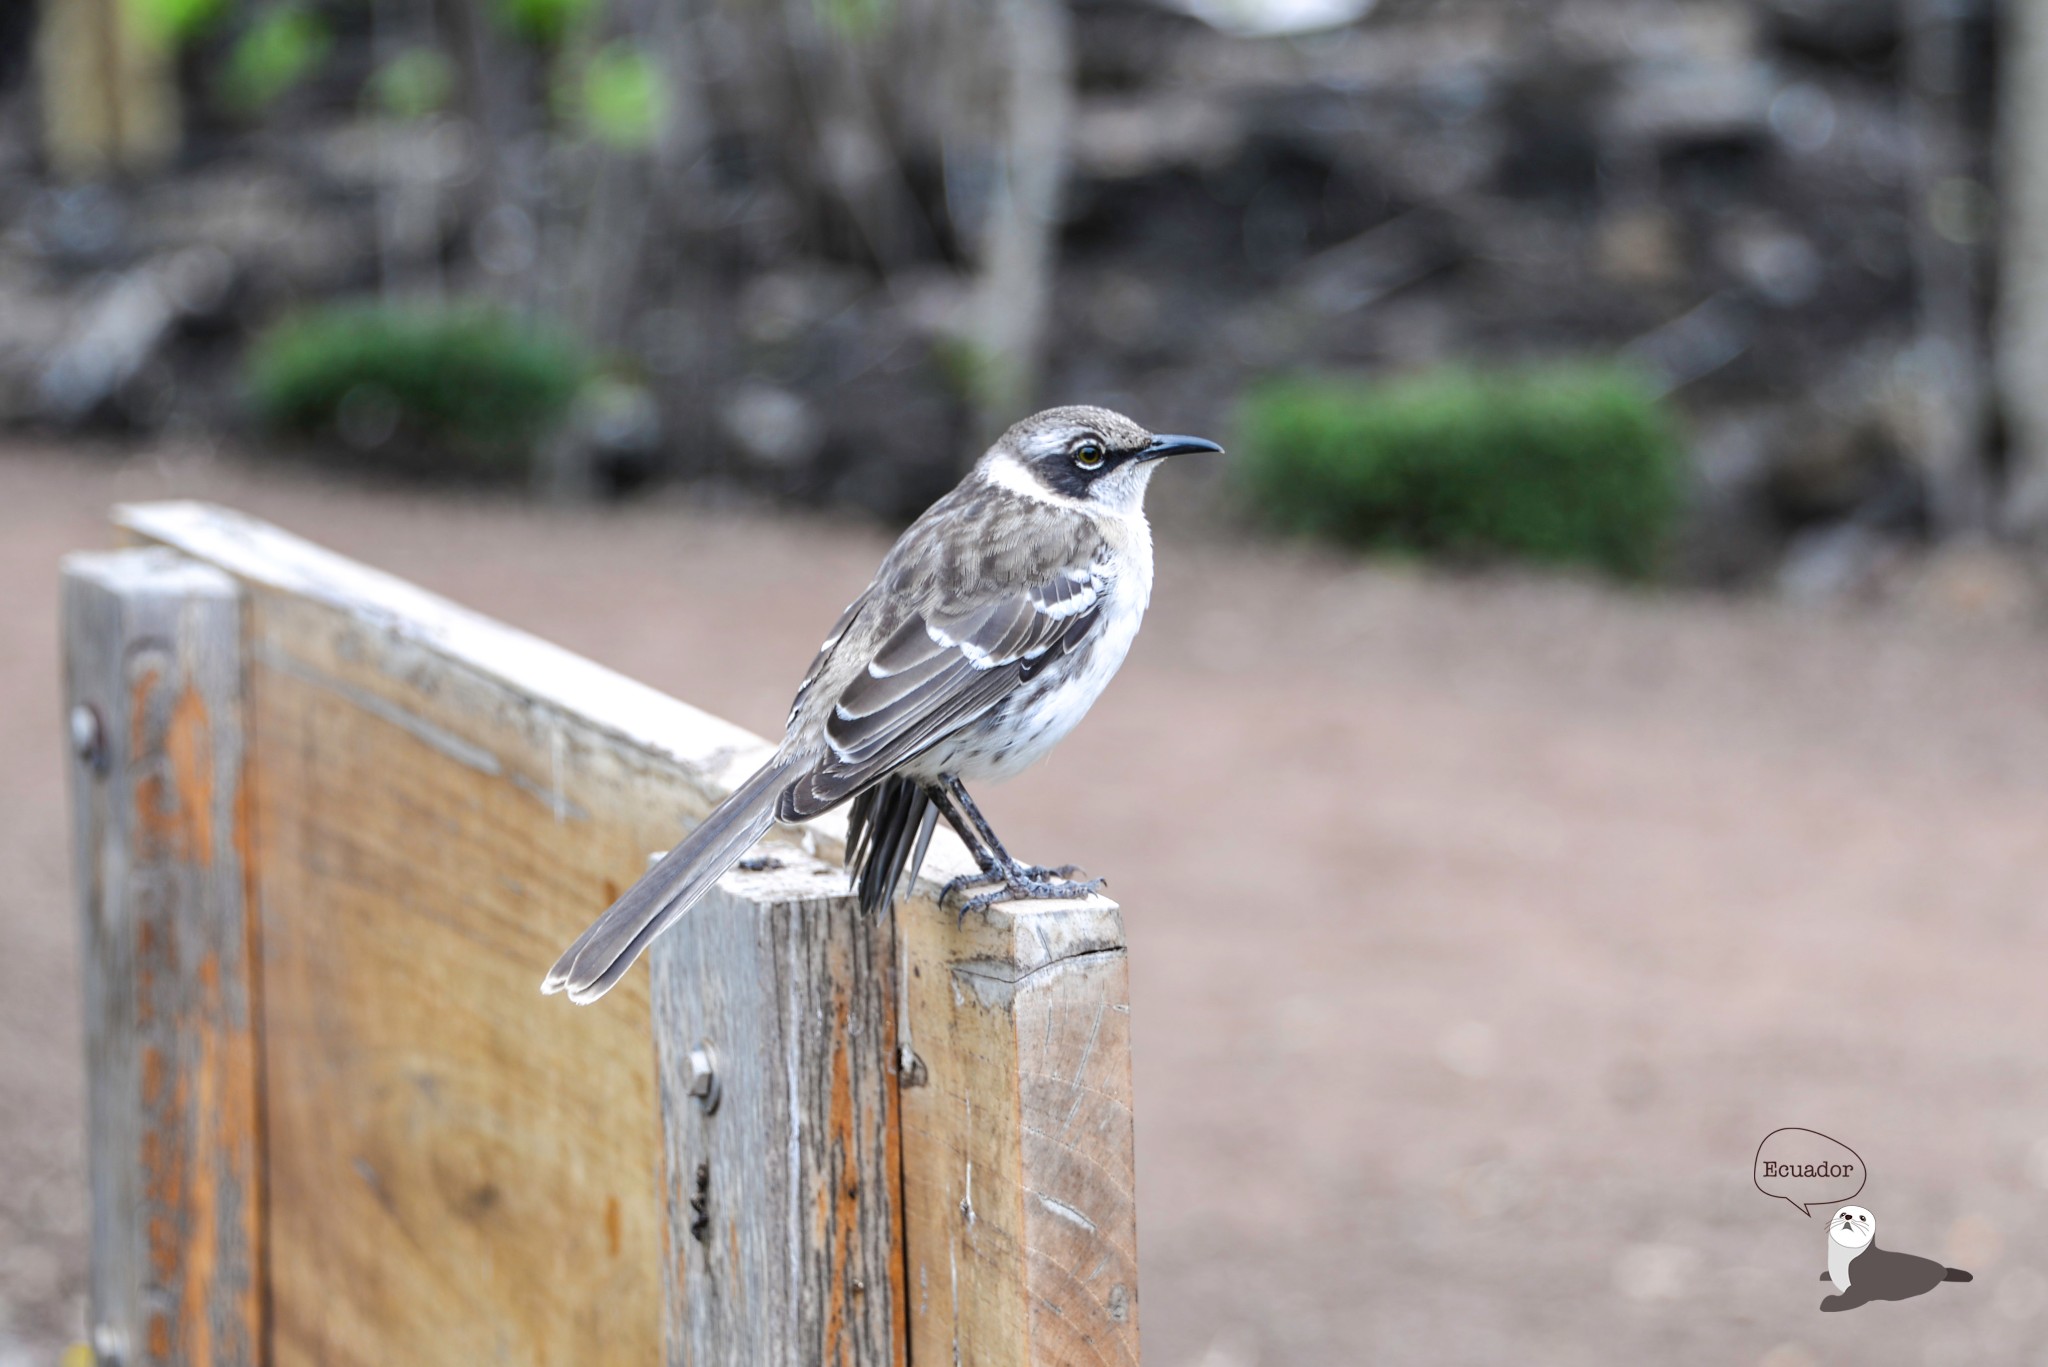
461 1170
1019 1149
786 1246
457 1173
153 686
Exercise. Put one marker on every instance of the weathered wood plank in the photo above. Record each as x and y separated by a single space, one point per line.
1015 1135
460 1170
153 685
458 1174
1019 1147
786 1244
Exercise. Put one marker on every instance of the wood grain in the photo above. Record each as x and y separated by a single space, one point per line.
459 1173
461 1170
1019 1150
792 1253
153 656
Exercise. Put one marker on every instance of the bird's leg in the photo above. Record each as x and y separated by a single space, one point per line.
989 860
958 791
997 865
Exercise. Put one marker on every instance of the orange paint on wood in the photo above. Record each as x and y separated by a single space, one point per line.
188 746
839 1211
152 1076
166 1242
140 690
176 1186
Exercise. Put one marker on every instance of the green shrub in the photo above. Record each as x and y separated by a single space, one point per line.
854 19
413 84
545 22
174 23
1564 465
620 97
461 390
281 48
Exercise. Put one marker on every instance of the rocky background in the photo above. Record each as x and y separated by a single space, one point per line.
1751 198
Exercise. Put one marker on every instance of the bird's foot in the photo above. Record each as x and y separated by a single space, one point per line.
1013 889
999 873
1065 872
955 886
1019 881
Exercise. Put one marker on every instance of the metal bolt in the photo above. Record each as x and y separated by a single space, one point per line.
704 1077
88 737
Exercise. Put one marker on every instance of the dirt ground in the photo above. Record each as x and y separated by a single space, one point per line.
1480 927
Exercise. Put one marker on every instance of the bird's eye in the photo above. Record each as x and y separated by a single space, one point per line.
1088 454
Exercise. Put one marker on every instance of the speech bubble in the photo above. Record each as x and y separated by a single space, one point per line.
1805 1168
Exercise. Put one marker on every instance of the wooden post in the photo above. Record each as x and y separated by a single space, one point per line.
775 1014
921 1144
153 686
1018 1145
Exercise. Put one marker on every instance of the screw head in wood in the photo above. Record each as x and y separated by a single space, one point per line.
704 1076
88 737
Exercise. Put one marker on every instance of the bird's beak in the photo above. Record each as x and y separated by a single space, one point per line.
1177 446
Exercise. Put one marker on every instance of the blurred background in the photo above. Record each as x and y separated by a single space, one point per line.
1594 716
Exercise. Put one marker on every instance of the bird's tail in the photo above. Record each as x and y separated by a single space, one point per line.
1956 1274
888 830
603 953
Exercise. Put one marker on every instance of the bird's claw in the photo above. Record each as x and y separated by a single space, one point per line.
1017 873
968 880
1021 882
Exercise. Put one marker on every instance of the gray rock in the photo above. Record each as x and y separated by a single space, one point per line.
118 330
772 426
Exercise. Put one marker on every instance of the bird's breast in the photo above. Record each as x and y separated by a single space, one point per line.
1038 716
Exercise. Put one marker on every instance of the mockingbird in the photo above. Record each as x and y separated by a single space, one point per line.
993 625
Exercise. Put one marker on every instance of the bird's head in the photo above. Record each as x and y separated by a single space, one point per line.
1852 1227
1083 455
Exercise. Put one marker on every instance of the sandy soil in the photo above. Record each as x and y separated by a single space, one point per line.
1480 928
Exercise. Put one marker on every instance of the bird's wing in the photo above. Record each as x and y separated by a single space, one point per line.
939 670
824 657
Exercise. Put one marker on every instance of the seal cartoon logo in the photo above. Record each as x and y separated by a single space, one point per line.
1862 1272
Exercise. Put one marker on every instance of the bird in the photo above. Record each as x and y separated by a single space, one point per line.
993 624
